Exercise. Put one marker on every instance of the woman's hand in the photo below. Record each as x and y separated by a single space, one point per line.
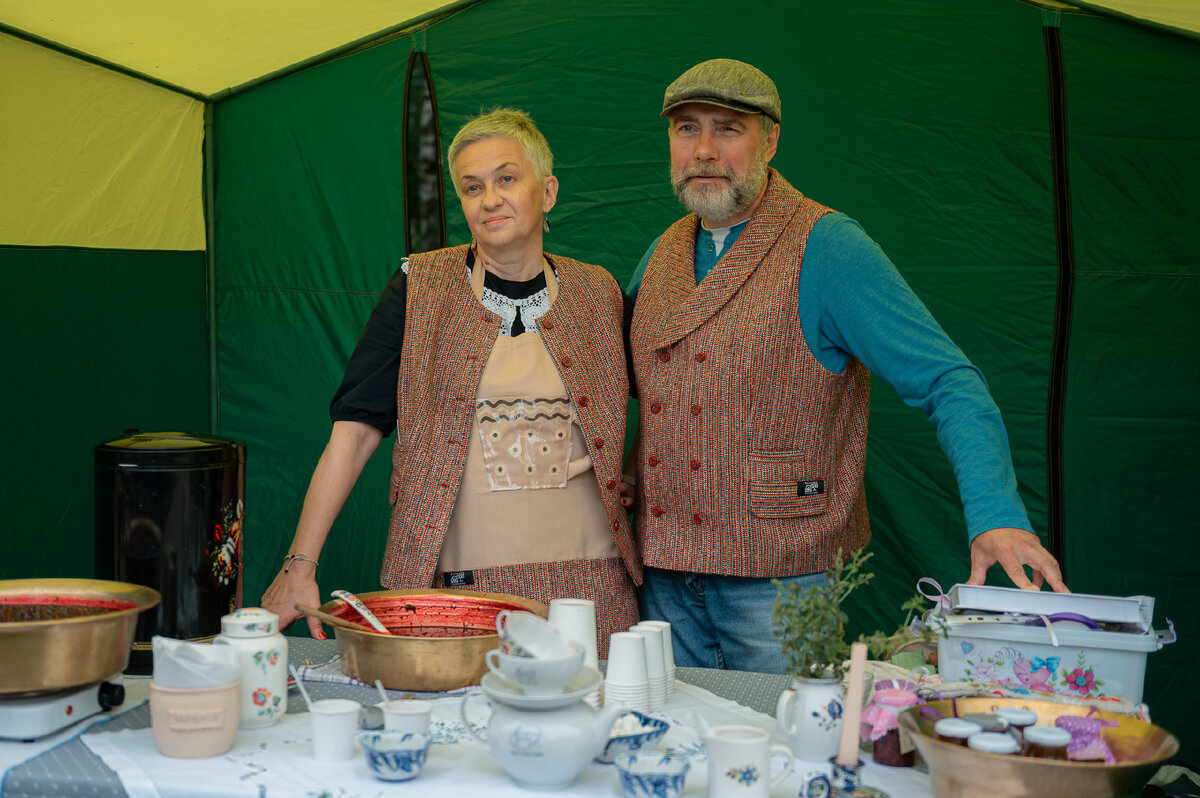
297 586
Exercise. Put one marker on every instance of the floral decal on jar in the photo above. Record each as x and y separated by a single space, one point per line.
265 659
225 544
265 703
746 774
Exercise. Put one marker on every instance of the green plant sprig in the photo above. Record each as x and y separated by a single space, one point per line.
810 623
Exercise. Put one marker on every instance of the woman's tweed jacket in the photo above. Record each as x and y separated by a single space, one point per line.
751 452
448 336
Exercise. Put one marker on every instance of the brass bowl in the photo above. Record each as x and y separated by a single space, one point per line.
958 772
55 653
410 658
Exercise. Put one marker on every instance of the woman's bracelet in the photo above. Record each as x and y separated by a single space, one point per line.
291 558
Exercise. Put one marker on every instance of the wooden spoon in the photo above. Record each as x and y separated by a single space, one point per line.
333 620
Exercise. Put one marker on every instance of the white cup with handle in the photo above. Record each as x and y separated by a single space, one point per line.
739 762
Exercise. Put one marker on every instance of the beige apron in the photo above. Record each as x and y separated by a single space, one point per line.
528 494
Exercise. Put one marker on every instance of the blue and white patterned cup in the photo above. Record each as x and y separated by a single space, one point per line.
651 775
394 756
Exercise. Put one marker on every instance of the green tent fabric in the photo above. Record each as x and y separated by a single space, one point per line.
927 123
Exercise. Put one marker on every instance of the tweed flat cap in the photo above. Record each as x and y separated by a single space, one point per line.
727 83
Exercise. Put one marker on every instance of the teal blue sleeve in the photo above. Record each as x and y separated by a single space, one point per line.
854 303
631 290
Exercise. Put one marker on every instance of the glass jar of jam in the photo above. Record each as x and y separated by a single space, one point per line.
955 730
1018 718
880 724
1046 742
993 742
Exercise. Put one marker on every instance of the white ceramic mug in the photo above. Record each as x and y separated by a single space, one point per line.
334 723
407 715
739 762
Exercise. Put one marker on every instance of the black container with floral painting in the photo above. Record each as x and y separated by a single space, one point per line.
169 515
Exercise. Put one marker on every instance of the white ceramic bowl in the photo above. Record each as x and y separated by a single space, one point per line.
652 775
394 755
651 732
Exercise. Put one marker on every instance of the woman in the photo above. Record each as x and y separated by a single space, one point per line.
509 408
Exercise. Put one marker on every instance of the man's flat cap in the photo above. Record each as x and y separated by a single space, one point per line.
727 83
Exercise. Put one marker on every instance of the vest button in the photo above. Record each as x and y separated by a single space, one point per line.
652 461
695 410
655 407
697 519
546 325
700 357
658 511
581 401
485 317
695 464
567 362
445 486
664 356
612 484
599 443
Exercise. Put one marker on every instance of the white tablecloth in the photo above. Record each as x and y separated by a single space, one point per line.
277 761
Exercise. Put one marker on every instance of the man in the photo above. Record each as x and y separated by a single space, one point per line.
757 321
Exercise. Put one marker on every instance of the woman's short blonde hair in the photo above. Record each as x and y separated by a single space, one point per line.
504 123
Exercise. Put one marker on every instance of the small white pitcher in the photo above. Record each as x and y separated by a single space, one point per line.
810 714
739 762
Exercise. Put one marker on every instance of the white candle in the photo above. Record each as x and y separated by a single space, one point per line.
852 713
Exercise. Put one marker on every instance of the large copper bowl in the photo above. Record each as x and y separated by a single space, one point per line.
410 658
62 649
958 772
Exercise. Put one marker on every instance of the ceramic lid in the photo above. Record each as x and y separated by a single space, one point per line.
1017 716
250 622
956 727
1047 735
993 743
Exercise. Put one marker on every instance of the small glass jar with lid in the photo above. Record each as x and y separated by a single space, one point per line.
1046 742
955 730
993 743
1018 718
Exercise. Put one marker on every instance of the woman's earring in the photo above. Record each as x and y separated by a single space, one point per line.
546 223
472 244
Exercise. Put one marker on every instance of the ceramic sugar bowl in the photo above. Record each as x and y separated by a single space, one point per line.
263 660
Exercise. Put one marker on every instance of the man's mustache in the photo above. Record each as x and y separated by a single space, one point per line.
706 170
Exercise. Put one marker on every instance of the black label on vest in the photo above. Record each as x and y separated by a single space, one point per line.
810 487
458 578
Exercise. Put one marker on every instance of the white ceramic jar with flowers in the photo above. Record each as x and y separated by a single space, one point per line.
263 661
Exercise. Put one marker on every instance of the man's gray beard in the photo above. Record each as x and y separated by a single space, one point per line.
721 201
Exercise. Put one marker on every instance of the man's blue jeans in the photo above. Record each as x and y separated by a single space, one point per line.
718 621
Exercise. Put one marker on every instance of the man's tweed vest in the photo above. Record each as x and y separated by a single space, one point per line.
448 336
751 451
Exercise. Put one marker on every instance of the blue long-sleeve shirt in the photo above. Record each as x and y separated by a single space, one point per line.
854 303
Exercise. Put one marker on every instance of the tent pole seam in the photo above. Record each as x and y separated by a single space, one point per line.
210 267
1064 297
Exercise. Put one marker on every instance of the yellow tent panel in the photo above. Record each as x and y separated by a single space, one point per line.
212 45
104 160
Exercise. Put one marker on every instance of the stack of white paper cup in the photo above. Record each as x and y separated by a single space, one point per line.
626 682
575 619
668 651
656 676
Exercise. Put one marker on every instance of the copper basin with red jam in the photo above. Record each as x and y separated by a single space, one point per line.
438 637
62 633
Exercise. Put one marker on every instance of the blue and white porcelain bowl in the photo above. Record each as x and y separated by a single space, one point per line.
394 755
652 730
651 775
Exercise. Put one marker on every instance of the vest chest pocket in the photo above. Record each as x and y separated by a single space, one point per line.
785 484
